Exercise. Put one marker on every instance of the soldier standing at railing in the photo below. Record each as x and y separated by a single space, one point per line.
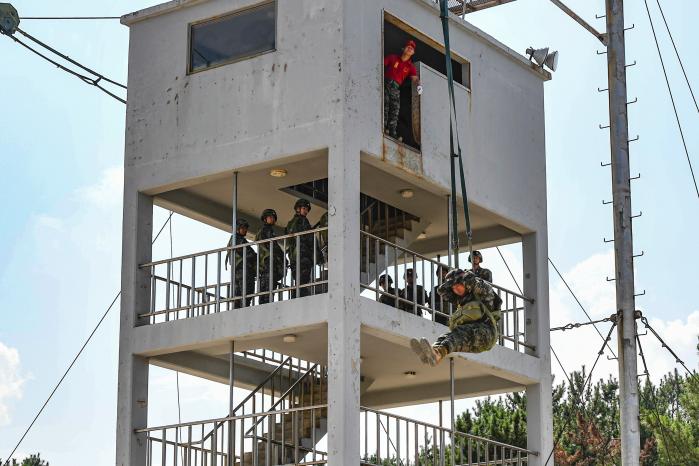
473 326
244 274
479 271
301 259
270 274
440 304
408 298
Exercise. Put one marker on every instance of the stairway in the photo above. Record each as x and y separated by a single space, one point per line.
286 443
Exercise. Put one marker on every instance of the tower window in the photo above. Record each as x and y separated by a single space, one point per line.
233 37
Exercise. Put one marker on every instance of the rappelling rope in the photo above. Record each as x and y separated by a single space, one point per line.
454 142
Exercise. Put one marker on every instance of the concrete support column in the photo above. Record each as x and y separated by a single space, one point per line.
132 400
343 308
539 403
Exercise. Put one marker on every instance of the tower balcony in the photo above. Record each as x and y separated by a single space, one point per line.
203 283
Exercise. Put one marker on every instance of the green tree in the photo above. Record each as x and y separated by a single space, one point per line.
32 460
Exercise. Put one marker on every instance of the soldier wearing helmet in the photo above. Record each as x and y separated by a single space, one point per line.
389 295
271 258
301 258
473 326
245 265
412 294
477 259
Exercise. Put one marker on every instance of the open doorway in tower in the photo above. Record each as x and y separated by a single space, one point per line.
428 52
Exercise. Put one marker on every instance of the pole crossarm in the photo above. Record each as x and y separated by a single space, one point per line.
602 37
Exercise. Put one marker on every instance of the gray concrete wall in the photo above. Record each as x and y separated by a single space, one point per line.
182 126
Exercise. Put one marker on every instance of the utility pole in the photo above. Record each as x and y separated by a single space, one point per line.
623 233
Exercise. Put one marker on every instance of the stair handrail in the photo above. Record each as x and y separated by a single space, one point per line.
283 397
240 405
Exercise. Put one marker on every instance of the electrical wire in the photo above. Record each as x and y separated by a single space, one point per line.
653 400
86 79
68 59
677 53
509 270
560 275
665 345
672 98
9 457
582 392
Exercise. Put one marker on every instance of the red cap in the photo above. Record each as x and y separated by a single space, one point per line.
410 43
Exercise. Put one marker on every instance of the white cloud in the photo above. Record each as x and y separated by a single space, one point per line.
579 347
11 381
108 190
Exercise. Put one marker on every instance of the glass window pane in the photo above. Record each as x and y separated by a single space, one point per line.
233 37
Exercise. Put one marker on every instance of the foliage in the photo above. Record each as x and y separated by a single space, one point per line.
32 460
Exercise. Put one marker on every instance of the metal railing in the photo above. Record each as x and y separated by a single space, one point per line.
256 439
391 439
203 283
381 257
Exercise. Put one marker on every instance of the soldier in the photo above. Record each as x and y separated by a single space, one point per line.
301 260
322 237
439 302
407 293
474 324
396 69
480 272
389 296
244 274
270 273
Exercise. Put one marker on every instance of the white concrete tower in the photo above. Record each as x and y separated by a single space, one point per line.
286 97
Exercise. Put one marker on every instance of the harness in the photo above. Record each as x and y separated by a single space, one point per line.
473 312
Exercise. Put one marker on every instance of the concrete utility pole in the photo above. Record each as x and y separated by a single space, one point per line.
623 233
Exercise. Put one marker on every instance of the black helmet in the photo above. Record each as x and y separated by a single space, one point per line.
409 273
455 276
268 213
241 223
476 254
383 278
302 203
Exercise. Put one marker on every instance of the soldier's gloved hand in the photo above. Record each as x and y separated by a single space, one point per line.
419 89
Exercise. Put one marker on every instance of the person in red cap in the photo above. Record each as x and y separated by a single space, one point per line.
396 69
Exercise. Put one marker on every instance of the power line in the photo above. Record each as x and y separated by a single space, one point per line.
509 270
86 79
677 53
9 457
653 399
665 345
672 98
560 275
582 392
574 325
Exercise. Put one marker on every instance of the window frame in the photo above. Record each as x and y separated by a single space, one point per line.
222 17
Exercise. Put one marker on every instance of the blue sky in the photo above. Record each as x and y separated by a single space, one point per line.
62 148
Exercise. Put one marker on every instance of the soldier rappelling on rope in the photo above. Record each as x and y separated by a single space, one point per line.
473 327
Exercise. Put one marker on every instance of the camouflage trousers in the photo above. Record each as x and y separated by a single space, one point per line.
249 290
264 281
473 337
391 107
304 275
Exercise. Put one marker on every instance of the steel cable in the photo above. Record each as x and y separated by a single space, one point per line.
9 457
672 98
677 53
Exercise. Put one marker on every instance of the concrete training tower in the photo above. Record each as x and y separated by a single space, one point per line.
235 106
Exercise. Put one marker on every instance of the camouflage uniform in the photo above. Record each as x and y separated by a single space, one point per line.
484 274
474 323
406 294
250 269
322 238
391 107
303 260
269 273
